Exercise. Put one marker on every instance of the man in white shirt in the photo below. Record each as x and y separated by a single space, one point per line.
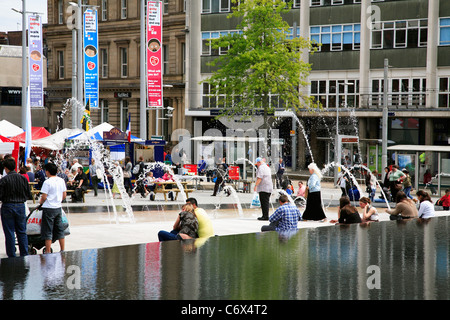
263 186
53 193
75 165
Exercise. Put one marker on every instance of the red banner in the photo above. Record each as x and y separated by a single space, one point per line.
154 54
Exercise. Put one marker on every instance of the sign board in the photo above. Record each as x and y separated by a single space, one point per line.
35 61
154 54
90 45
115 134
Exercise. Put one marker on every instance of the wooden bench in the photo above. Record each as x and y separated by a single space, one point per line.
84 192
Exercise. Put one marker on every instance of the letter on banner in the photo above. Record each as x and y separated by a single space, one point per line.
90 58
154 54
35 61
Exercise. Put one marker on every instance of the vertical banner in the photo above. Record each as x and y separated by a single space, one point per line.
154 54
35 61
90 46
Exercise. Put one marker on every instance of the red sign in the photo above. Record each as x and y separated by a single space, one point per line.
154 54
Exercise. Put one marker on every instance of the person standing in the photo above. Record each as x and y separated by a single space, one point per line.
94 178
53 193
314 210
395 180
263 186
279 169
14 191
285 218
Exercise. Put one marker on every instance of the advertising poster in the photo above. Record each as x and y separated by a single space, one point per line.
90 47
154 54
35 61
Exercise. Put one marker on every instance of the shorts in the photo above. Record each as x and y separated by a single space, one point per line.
52 227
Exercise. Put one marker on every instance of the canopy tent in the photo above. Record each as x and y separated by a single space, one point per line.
36 133
56 140
8 146
7 129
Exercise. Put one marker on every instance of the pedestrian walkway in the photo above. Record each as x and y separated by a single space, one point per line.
95 224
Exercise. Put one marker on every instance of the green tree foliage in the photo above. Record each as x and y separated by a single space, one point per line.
262 70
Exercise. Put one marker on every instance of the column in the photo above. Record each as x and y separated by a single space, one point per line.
433 32
364 53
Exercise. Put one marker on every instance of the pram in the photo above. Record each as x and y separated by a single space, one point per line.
35 242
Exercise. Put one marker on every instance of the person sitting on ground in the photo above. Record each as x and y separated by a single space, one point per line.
369 213
285 218
205 228
404 209
301 189
347 213
185 227
445 200
426 208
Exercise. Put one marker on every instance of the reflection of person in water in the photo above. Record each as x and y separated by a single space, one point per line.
90 51
154 45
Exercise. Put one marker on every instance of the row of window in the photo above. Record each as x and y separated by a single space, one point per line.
345 93
340 37
223 6
103 10
123 60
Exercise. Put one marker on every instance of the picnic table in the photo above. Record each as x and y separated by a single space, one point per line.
161 187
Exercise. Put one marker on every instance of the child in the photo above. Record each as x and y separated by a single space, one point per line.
445 200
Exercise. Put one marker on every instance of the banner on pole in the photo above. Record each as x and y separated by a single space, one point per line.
154 54
90 46
35 64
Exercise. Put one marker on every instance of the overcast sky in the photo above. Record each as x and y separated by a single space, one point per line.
12 21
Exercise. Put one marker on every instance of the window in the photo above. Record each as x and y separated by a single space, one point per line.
105 110
444 31
166 7
123 62
183 55
104 63
403 92
315 3
336 2
123 114
336 93
337 37
444 93
60 57
60 12
400 34
123 9
165 59
216 6
104 10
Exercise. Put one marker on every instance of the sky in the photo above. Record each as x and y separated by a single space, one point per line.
11 20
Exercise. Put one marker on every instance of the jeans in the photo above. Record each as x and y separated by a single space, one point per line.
165 236
407 192
14 220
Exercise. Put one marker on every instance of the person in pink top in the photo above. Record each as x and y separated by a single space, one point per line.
301 189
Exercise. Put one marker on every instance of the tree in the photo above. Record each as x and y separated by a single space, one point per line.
262 69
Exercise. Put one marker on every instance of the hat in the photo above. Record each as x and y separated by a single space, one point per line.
259 159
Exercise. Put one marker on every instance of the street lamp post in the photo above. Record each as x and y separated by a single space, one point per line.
384 126
337 142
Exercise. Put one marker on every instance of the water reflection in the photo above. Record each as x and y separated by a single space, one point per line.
412 258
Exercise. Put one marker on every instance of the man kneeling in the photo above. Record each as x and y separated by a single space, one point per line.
285 217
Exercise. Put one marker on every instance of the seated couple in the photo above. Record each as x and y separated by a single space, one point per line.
348 214
192 222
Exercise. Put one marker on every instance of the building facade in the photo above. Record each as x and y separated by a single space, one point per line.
347 76
119 71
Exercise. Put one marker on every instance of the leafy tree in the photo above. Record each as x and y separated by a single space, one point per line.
262 69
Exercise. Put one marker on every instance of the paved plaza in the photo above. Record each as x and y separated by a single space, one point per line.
95 224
